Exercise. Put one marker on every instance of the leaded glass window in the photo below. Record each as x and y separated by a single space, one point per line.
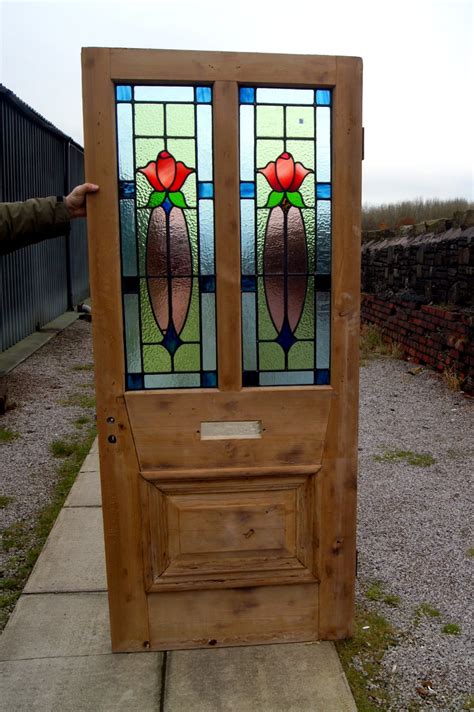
285 210
166 191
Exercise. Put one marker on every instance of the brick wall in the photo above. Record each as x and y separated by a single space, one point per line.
418 288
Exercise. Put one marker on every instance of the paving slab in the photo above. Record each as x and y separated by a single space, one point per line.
95 447
50 625
91 463
297 677
98 683
73 557
85 491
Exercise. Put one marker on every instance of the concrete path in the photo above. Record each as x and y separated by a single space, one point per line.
55 651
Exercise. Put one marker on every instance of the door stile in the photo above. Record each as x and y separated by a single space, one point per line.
226 166
118 461
337 480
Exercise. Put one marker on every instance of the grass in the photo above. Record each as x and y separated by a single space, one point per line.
469 703
83 420
84 367
425 610
373 345
470 553
373 635
5 501
452 379
411 458
80 400
6 436
410 212
375 592
451 629
25 542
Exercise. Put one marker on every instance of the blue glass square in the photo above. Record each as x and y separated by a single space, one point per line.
247 190
203 95
123 93
250 378
321 377
205 190
323 191
207 283
134 382
127 189
208 379
249 283
323 97
247 95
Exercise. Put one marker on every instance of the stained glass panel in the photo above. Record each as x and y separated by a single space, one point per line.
165 165
285 214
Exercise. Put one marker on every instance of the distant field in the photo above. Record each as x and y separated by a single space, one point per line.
410 212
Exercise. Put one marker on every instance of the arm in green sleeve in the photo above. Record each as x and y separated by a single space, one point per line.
31 221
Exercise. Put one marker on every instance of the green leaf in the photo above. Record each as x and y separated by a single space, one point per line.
178 199
156 199
295 199
274 199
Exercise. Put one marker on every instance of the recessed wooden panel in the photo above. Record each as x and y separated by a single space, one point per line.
239 530
198 619
167 427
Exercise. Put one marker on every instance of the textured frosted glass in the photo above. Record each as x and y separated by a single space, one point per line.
129 243
150 93
285 96
206 236
149 120
247 165
204 142
155 358
300 121
323 308
132 333
323 237
271 356
208 308
187 358
146 150
286 378
125 141
249 331
323 144
173 380
180 120
247 227
270 121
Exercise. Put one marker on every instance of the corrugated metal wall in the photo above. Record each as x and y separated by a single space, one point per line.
39 282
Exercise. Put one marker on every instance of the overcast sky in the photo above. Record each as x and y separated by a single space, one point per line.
418 68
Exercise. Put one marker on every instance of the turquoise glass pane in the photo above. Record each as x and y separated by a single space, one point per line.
323 97
205 190
247 131
132 333
203 94
285 96
154 93
247 190
247 95
323 190
125 141
323 144
204 142
249 331
323 312
123 93
128 238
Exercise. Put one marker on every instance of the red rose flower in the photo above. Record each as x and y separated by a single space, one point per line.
284 175
166 174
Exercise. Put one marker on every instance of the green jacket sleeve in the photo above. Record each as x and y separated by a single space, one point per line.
31 221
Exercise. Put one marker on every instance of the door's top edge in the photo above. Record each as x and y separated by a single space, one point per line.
224 54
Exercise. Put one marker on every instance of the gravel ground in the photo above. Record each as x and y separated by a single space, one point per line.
38 387
415 528
414 522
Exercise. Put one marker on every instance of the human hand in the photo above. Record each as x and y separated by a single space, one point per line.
75 202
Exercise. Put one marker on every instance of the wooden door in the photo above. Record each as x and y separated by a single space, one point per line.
224 262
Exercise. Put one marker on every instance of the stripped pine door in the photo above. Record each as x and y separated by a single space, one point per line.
224 263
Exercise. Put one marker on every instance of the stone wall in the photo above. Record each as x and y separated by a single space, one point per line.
418 287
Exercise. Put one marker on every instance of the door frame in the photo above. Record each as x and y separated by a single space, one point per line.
336 483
